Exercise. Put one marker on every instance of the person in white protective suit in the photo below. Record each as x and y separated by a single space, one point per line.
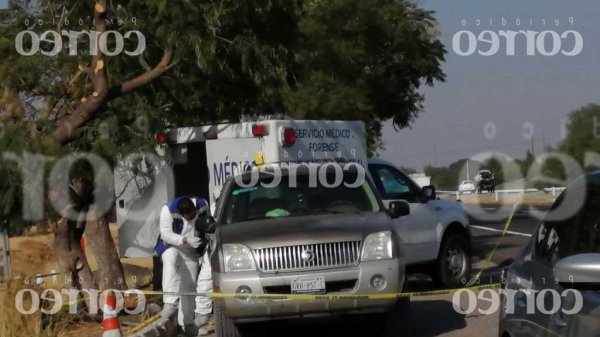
182 250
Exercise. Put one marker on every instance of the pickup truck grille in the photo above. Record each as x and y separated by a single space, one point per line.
334 254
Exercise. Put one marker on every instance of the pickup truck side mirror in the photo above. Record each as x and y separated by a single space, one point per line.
206 224
578 270
398 209
428 193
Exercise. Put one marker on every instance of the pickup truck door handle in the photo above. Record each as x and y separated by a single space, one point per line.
521 299
521 302
558 321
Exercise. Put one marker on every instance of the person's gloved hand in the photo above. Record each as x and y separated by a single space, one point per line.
193 241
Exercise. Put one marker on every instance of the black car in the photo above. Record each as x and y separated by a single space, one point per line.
554 287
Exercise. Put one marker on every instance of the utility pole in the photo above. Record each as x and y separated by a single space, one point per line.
468 173
544 141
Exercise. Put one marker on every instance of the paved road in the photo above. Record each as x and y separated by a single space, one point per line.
487 226
432 315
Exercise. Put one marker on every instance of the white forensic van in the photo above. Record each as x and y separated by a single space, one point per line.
197 160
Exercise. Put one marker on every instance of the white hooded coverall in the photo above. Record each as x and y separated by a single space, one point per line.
180 269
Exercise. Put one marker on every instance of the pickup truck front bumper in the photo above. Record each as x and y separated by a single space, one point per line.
347 281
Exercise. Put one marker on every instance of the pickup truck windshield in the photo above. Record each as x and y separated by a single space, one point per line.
285 200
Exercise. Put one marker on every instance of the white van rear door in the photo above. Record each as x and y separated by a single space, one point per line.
140 194
228 157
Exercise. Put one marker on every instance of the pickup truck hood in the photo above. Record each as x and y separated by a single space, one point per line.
290 231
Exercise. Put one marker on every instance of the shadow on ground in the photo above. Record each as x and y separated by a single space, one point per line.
423 319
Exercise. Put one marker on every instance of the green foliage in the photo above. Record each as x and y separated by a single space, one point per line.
526 163
17 140
340 59
583 134
583 137
448 178
363 60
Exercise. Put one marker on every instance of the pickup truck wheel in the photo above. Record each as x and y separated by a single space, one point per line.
224 326
454 261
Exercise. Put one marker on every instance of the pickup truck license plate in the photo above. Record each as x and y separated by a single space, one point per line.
308 285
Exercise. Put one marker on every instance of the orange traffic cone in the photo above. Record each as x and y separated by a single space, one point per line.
110 324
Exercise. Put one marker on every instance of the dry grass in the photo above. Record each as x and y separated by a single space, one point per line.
16 324
33 255
528 199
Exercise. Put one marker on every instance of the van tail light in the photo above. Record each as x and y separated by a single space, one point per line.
259 130
288 137
211 135
161 138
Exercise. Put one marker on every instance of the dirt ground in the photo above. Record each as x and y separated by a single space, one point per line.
33 255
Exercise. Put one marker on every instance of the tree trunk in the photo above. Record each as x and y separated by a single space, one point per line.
69 256
111 274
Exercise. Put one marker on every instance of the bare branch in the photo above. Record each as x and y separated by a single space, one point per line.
147 77
144 63
90 105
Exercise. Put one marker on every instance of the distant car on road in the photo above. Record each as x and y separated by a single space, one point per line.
561 260
466 186
485 182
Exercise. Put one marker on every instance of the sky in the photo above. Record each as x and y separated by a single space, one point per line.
3 4
515 96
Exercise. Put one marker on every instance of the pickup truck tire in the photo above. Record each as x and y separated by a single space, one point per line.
453 265
224 326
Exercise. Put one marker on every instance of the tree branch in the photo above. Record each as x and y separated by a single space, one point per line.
90 105
150 75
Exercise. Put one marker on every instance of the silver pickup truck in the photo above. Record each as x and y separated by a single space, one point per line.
436 234
307 234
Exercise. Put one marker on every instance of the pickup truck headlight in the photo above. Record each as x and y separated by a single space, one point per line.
378 246
238 258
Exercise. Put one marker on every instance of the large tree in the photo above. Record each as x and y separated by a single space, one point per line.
204 61
363 60
581 143
583 134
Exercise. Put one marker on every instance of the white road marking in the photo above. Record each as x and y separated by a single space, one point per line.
501 231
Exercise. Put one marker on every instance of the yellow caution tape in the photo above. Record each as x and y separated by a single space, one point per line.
504 231
144 324
323 297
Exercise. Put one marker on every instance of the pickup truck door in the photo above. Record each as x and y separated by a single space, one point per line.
418 230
